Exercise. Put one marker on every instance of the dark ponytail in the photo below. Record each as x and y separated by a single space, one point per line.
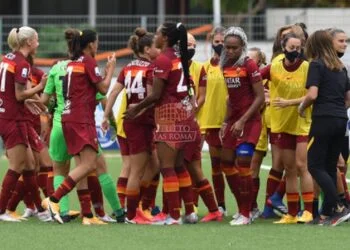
139 40
184 53
80 40
69 34
177 35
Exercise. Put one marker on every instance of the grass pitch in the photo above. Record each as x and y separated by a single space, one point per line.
262 234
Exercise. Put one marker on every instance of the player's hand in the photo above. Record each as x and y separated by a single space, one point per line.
280 102
33 106
105 124
111 63
237 128
267 96
131 112
43 81
222 131
301 111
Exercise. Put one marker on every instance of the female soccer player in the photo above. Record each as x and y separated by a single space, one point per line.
329 93
139 131
172 95
211 115
287 89
242 125
80 86
40 154
276 186
14 74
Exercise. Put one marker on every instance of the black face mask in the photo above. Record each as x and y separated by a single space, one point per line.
292 56
191 53
218 48
340 54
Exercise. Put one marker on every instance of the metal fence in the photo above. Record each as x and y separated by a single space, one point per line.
114 31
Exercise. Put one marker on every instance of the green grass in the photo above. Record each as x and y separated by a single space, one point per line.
260 235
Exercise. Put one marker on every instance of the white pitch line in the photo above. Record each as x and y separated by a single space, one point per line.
266 167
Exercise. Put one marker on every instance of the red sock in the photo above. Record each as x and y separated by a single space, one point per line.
42 180
121 189
132 201
96 194
246 190
256 186
30 184
8 185
171 191
185 189
67 185
293 203
308 198
273 181
281 189
28 201
49 188
218 180
144 185
207 195
85 202
233 180
165 208
17 195
149 194
195 196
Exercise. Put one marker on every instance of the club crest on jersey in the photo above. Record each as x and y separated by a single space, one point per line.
24 73
97 71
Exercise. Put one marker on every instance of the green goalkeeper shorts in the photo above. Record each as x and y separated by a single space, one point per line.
58 147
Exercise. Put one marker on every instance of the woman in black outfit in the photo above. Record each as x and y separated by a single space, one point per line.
329 93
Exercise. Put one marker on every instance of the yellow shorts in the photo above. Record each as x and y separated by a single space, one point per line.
262 144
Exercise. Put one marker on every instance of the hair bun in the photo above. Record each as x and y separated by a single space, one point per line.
140 32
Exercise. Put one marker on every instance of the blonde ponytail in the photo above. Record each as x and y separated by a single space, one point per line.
18 36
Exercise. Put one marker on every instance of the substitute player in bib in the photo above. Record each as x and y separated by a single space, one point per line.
287 89
243 122
81 84
14 75
211 116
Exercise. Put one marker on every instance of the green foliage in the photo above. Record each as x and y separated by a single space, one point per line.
52 42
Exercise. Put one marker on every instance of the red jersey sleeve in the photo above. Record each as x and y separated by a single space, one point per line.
36 75
121 77
253 72
162 67
149 76
92 70
265 72
203 78
22 72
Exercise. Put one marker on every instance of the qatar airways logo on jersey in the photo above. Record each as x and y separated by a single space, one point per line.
233 82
